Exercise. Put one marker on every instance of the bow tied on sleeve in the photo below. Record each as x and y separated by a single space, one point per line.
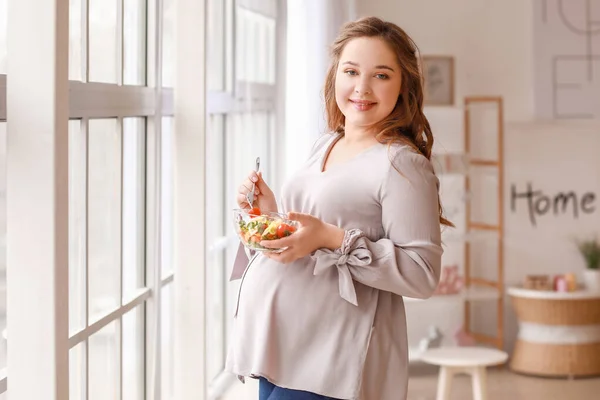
351 253
342 260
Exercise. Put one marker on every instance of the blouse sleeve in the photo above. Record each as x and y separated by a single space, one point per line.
407 261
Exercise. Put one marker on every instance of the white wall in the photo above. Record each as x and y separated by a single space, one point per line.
492 42
567 66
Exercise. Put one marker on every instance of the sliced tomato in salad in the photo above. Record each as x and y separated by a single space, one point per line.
255 239
255 212
284 230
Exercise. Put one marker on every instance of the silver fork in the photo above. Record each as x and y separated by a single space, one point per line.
250 194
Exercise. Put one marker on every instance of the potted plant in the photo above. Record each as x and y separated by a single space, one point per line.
590 250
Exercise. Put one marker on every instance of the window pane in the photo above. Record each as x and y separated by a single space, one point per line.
75 40
247 138
134 130
103 41
215 44
217 219
133 354
3 12
77 372
241 44
104 216
262 54
168 37
255 47
104 363
271 58
166 333
167 195
134 42
77 225
2 245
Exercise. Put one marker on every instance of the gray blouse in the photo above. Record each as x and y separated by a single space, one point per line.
333 323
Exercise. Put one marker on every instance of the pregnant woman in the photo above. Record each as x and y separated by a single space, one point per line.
325 318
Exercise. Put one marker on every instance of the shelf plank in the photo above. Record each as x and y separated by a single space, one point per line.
484 163
484 282
467 294
483 226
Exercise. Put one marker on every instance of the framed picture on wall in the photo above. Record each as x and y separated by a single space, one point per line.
438 72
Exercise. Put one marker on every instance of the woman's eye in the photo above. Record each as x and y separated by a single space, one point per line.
350 72
382 76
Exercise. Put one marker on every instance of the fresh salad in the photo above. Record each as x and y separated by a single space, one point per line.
263 228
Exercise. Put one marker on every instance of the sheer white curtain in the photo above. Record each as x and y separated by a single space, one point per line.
312 25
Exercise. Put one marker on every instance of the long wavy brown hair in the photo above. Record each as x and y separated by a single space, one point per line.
406 123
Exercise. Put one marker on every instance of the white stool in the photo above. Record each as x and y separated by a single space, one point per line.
467 360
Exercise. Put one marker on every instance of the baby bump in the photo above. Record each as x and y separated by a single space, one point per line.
276 288
292 294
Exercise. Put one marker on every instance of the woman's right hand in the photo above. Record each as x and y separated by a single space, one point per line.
263 195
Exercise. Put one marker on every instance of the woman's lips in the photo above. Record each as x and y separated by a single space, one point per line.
362 105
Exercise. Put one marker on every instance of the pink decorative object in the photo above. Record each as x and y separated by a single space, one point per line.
555 282
562 285
450 281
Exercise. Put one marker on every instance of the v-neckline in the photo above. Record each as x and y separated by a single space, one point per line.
329 148
328 151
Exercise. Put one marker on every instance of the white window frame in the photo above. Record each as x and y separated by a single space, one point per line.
241 97
189 183
33 357
61 99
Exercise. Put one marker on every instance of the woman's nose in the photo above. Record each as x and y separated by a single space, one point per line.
362 88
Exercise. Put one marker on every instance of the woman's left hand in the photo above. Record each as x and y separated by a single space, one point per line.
313 234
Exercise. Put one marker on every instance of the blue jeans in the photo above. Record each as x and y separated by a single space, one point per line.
268 391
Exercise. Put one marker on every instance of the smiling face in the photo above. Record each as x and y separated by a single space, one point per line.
367 82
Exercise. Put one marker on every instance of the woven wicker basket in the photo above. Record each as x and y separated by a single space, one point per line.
556 360
557 312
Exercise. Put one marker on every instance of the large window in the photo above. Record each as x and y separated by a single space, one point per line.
241 83
120 196
120 199
121 167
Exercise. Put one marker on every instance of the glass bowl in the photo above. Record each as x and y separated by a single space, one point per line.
252 229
